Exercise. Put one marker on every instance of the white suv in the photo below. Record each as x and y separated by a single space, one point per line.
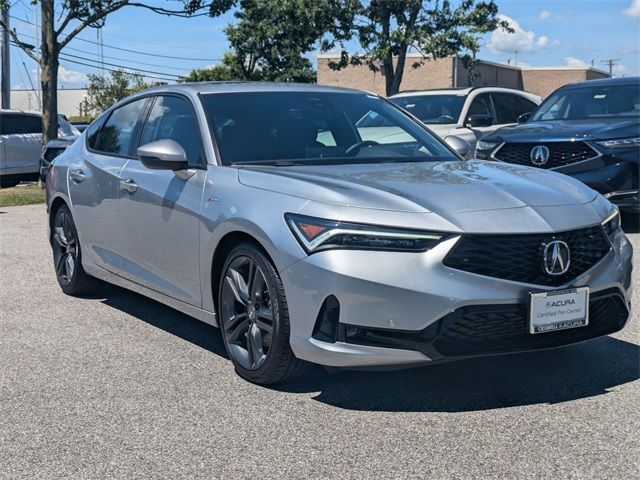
21 144
469 113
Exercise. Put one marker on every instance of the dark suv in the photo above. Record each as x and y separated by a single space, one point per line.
589 130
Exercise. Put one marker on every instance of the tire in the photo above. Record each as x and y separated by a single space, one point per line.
67 256
254 318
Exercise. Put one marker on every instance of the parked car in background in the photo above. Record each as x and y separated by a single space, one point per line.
270 211
21 144
81 126
589 130
468 113
51 150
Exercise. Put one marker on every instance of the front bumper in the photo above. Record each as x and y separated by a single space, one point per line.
408 308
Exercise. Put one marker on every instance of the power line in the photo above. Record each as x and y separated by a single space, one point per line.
73 49
138 52
147 73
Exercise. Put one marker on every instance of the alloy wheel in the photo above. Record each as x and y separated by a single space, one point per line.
246 312
65 251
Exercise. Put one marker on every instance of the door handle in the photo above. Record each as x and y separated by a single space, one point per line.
76 176
128 185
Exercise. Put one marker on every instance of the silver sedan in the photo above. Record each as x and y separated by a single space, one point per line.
310 236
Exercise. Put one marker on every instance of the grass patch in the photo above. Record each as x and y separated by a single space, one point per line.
21 195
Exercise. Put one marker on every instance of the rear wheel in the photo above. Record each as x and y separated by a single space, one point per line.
67 256
254 318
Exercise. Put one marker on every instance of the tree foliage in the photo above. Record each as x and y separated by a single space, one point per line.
62 21
270 39
105 90
388 29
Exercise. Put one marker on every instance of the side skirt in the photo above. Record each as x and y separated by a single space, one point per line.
195 312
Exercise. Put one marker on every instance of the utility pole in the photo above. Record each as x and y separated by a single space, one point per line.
515 63
611 62
6 69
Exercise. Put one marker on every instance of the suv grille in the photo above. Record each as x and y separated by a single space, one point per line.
498 329
519 258
560 153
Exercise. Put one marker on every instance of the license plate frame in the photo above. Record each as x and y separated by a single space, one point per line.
558 310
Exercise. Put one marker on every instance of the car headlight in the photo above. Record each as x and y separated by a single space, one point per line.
482 145
612 223
621 142
315 234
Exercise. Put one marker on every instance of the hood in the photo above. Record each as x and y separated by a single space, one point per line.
444 187
563 130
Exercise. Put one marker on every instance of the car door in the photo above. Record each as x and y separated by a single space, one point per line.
22 140
508 107
479 104
159 209
94 181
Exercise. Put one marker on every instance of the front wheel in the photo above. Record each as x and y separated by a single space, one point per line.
254 318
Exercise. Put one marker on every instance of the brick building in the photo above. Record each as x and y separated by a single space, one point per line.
449 72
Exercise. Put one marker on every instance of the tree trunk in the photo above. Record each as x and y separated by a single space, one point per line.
49 77
393 86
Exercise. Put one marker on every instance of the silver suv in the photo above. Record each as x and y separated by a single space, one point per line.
468 113
21 144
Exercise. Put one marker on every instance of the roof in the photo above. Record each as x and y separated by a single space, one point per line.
228 87
458 91
604 82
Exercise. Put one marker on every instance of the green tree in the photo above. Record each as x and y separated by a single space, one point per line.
271 38
105 90
62 21
388 29
226 70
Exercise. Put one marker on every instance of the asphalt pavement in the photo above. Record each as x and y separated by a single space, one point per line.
119 386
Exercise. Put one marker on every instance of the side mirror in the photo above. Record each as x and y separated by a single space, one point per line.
479 120
524 117
163 155
460 145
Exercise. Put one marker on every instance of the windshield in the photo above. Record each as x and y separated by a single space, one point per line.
443 109
285 128
590 103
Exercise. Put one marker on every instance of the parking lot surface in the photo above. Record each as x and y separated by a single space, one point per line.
120 386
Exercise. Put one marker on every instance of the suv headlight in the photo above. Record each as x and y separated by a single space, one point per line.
621 142
315 234
484 146
612 223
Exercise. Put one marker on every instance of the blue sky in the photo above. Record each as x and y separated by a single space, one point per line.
548 33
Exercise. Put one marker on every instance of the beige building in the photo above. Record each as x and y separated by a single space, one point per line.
69 100
449 72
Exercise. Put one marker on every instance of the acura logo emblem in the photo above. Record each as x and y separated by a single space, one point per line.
539 155
556 257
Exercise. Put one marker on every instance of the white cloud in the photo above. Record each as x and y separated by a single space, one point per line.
71 76
633 10
521 40
575 62
544 15
619 70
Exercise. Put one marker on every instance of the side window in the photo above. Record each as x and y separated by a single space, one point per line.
527 105
92 132
508 107
172 118
18 124
117 134
481 105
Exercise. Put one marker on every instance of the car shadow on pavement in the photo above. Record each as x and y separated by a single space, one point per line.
165 318
553 376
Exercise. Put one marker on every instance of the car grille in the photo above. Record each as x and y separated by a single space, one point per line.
560 153
500 329
51 153
519 258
